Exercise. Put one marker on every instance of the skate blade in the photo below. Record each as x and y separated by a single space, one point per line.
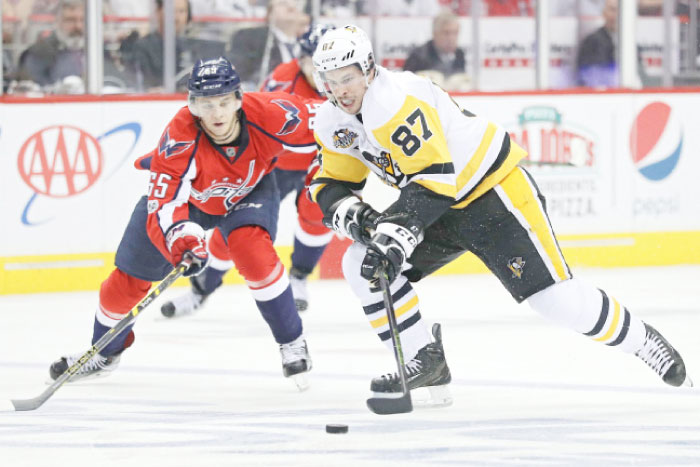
432 397
428 397
688 383
301 380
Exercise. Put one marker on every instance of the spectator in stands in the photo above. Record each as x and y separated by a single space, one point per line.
144 56
596 61
62 53
440 57
257 51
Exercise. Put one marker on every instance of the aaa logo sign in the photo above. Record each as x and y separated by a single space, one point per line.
60 161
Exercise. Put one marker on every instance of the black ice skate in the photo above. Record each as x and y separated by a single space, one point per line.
428 369
297 279
97 366
187 303
663 358
296 362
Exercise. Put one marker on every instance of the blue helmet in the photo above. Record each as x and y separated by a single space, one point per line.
213 77
309 40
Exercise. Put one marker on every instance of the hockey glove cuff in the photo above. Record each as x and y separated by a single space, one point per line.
389 249
188 239
352 219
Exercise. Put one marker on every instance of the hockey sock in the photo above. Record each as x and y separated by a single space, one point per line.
412 329
208 280
305 257
258 263
583 308
119 293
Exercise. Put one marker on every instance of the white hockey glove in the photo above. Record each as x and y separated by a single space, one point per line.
188 239
391 246
352 219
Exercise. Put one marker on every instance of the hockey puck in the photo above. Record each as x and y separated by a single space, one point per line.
336 428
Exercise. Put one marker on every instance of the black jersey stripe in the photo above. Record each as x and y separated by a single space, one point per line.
502 156
386 335
623 331
446 168
603 316
375 307
328 180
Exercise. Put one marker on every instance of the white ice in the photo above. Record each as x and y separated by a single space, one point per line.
208 390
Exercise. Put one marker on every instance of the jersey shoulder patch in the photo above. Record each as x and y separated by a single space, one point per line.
179 136
278 113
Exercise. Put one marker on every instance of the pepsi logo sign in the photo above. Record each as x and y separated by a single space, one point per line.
656 141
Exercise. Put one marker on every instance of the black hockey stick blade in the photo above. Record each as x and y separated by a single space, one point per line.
21 405
391 405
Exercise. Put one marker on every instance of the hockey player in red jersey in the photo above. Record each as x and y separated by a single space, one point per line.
211 170
310 235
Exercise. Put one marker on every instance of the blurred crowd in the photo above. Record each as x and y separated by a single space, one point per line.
44 40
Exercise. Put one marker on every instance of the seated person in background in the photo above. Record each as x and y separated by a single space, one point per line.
144 56
62 53
56 63
257 51
596 61
440 58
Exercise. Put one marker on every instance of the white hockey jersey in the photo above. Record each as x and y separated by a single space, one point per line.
411 131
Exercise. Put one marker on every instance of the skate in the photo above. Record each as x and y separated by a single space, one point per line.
187 303
296 362
661 357
297 280
97 366
428 369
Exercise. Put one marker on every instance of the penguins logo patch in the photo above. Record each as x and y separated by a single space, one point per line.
516 266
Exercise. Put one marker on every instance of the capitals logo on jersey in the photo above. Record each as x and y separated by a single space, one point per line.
169 147
227 190
291 115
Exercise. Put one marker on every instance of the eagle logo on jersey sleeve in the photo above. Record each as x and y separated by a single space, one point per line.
291 116
169 147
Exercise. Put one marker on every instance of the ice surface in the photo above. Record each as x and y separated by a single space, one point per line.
207 390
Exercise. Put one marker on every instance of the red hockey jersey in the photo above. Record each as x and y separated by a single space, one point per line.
188 167
288 77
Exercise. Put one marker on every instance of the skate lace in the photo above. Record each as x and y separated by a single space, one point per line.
656 355
412 368
96 363
294 351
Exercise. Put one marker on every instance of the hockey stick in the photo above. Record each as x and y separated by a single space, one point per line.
19 405
392 403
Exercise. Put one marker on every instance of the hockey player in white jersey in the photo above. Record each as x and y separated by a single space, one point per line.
461 189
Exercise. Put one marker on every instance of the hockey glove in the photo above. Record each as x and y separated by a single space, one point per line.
352 219
390 247
187 239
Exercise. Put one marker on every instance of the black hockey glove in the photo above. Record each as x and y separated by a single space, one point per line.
352 218
391 246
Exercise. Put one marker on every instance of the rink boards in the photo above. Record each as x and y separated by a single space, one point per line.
618 170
